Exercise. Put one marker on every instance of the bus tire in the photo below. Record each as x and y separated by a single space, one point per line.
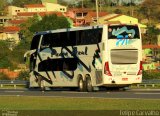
81 85
89 86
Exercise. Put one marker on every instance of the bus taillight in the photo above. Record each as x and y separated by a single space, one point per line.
106 69
140 68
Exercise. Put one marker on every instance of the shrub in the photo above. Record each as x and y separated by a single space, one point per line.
24 75
118 11
151 75
3 77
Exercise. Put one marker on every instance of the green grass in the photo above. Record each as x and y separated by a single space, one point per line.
51 103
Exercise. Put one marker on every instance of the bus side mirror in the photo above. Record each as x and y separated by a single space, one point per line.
28 54
25 56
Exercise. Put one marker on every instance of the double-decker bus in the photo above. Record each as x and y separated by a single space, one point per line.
86 57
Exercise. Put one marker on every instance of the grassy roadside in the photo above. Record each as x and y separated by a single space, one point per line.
50 103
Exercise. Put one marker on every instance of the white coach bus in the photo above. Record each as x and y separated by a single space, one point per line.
86 57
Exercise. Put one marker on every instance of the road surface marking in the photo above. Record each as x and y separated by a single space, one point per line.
13 91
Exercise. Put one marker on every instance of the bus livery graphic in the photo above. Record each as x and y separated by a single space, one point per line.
123 35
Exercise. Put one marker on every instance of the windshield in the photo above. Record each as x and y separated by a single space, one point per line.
123 32
123 56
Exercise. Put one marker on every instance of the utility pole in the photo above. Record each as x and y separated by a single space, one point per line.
131 8
82 4
100 5
82 8
97 13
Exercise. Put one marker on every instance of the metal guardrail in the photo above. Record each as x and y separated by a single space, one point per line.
154 81
16 83
13 83
150 82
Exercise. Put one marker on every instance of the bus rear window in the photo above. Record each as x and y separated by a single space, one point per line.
124 56
123 32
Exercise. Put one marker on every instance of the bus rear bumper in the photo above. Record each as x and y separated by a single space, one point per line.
121 81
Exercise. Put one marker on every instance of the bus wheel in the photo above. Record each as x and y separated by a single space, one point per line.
89 84
81 84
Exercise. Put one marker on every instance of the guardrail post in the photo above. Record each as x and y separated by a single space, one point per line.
14 86
13 83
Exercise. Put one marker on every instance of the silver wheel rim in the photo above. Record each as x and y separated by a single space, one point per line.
81 84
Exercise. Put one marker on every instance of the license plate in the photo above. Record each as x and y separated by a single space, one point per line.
124 79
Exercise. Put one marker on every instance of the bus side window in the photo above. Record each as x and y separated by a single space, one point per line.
46 41
99 35
72 38
62 40
79 38
86 37
54 40
93 37
35 42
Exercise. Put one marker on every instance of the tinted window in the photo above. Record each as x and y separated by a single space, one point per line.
35 42
58 39
72 38
90 36
67 64
124 56
51 39
123 32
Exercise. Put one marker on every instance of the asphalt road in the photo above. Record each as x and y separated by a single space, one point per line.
129 94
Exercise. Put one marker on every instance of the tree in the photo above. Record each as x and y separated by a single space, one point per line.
24 75
150 9
65 3
117 11
26 37
21 3
4 53
89 3
3 4
18 52
107 2
151 35
26 34
16 56
50 22
3 77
